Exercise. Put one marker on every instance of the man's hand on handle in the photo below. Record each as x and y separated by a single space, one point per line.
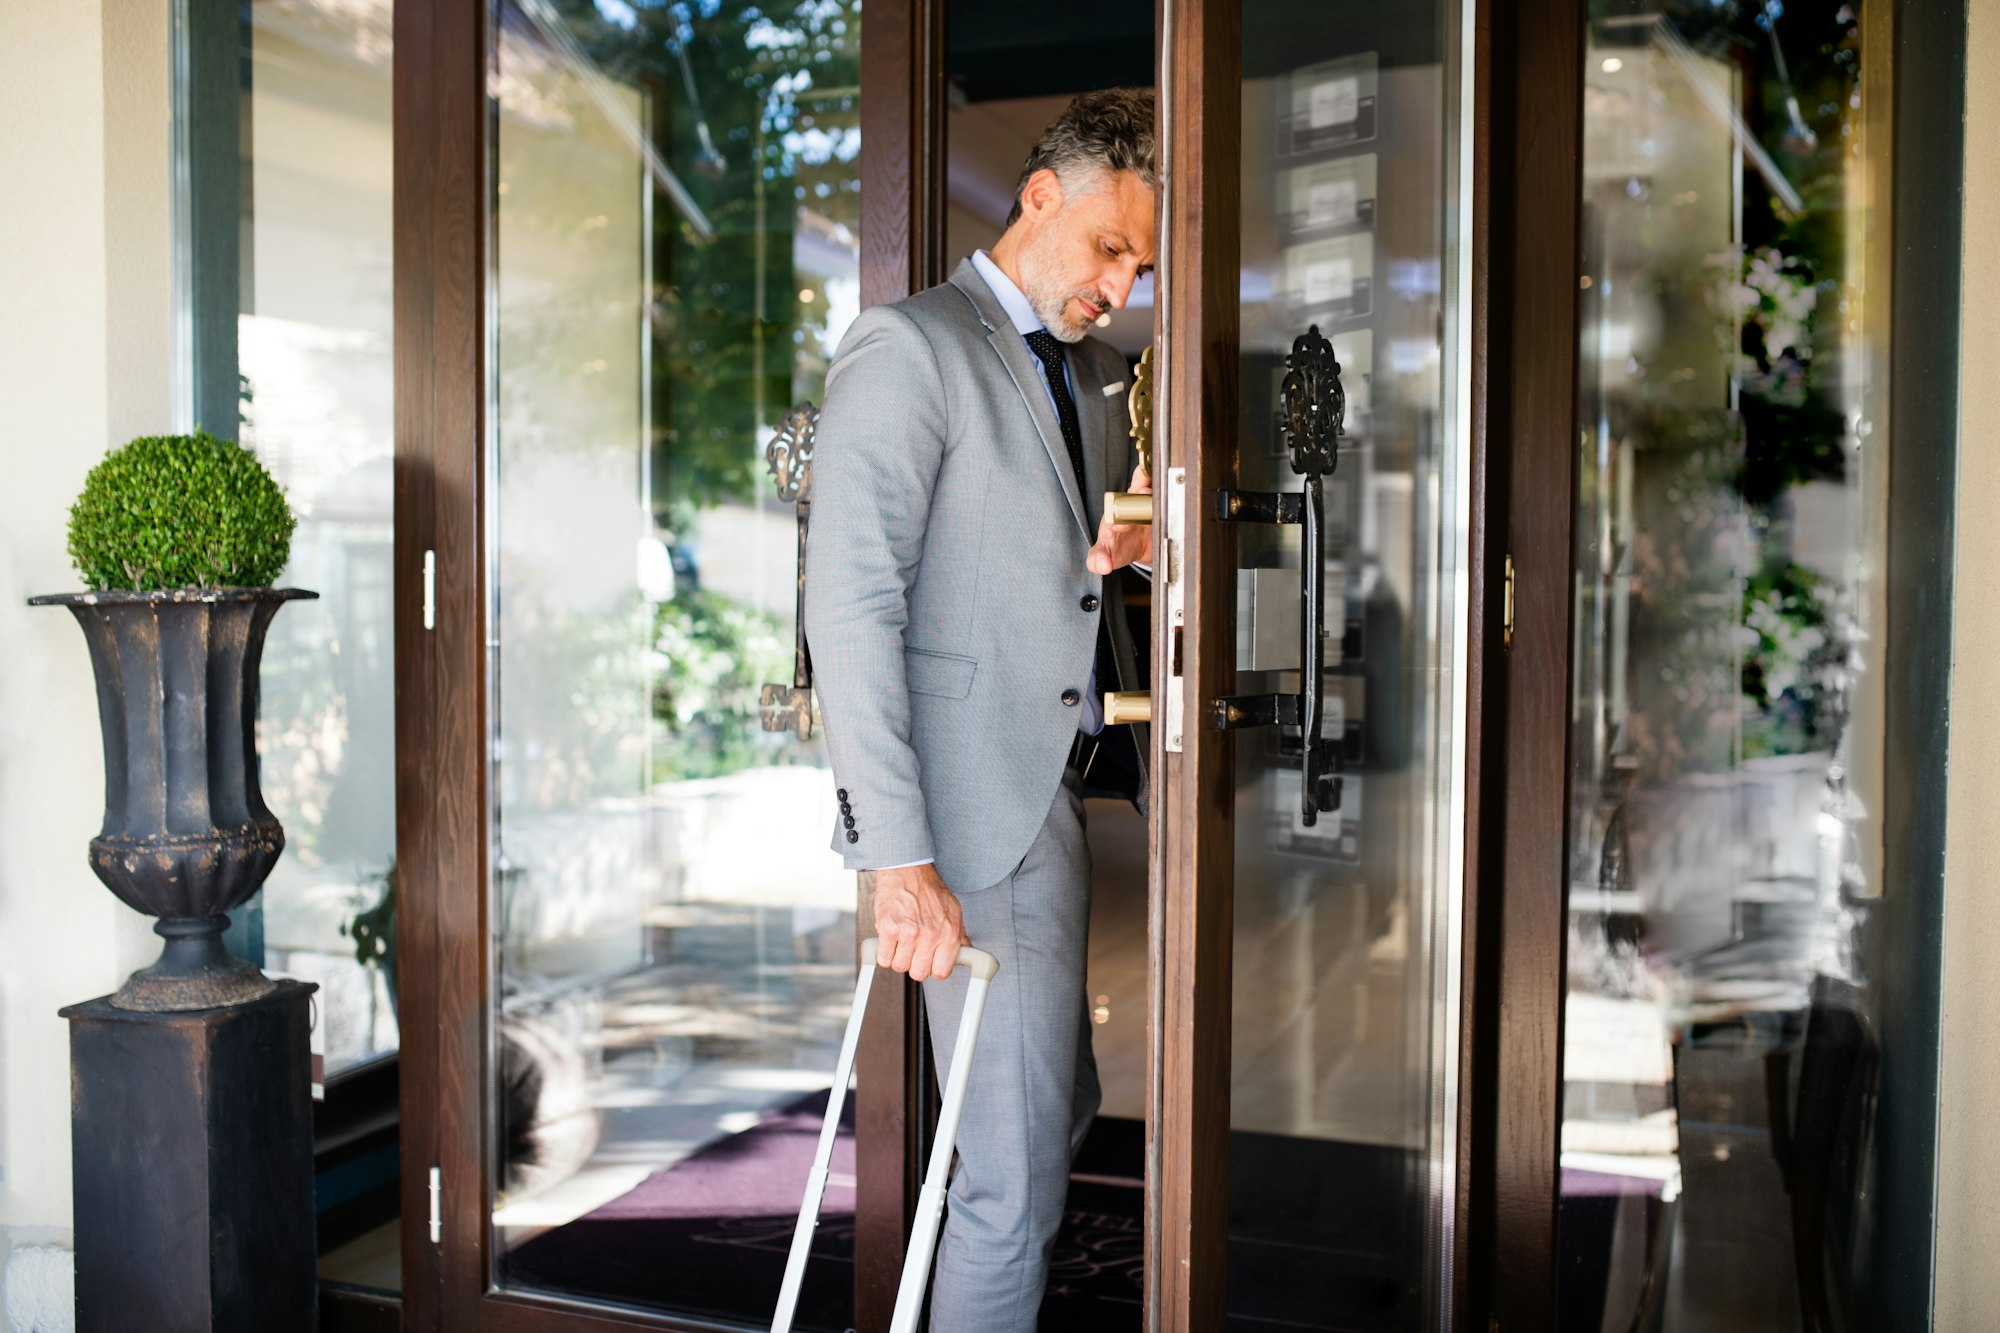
917 922
1119 544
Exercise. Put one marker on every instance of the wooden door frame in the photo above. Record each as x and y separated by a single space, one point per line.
902 251
1192 835
1525 366
441 251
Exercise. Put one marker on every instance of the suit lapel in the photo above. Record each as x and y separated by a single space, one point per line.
1014 355
1093 413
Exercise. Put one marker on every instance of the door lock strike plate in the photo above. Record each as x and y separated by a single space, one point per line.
1173 543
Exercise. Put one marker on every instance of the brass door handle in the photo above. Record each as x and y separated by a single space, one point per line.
1128 506
1137 506
1124 707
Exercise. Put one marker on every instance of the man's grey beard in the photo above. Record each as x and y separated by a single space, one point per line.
1051 307
1051 310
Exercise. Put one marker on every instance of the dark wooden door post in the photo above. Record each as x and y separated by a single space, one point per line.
902 251
1193 833
1527 215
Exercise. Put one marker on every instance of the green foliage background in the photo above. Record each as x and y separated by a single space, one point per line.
714 656
739 331
779 88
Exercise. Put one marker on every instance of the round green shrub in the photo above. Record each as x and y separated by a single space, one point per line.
180 511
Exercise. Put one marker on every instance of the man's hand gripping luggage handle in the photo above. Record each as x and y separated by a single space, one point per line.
982 964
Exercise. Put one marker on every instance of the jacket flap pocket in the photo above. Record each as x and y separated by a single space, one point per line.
939 673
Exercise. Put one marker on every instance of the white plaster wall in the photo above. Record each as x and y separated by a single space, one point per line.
85 298
1968 1237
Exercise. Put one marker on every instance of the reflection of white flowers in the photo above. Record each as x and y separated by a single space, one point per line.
1773 293
1788 645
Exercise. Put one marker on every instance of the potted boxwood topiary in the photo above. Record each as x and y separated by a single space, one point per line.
178 539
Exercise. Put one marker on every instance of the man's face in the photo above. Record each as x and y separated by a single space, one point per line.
1084 247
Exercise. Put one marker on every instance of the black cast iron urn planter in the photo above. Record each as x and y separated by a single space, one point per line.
187 837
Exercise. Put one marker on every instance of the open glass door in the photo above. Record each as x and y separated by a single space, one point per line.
629 240
1314 529
675 254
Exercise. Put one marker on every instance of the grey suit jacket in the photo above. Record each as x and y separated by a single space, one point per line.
947 605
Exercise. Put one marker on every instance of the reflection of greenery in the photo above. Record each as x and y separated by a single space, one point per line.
1789 281
714 654
778 88
1736 650
1792 663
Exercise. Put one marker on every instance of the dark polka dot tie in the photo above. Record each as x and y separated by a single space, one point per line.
1049 351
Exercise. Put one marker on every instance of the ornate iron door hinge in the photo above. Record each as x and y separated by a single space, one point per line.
1315 419
790 707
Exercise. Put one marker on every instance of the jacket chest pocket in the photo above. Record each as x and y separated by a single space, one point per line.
943 674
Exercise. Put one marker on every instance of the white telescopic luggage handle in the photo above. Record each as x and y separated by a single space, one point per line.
930 1202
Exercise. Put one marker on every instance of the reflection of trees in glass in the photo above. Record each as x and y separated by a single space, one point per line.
778 93
713 654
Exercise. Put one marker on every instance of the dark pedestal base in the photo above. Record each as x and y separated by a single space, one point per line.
192 1152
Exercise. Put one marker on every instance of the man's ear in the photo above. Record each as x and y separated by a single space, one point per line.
1042 190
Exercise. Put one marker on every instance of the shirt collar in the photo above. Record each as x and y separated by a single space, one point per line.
1018 309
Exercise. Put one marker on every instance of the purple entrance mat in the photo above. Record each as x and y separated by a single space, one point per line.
709 1235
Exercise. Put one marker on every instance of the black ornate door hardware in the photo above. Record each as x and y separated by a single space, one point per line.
1315 419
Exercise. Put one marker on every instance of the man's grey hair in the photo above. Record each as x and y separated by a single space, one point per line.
1099 132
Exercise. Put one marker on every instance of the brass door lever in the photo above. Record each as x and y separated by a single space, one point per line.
1124 707
1137 506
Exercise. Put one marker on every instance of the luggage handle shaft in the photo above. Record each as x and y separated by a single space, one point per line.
930 1206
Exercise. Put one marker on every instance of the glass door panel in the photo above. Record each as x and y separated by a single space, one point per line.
674 226
1341 1023
1729 910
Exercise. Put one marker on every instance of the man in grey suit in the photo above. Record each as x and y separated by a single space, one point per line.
964 614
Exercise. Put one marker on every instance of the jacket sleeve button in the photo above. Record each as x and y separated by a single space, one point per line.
852 836
842 793
847 821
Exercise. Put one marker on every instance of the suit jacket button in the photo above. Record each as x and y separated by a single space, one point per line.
842 793
1089 602
1072 698
852 836
847 821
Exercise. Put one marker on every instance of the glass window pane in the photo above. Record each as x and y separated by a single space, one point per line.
286 308
675 230
1727 891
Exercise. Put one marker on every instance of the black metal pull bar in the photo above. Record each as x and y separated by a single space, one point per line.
1315 418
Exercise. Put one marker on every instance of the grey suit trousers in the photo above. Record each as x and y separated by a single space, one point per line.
1033 1089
